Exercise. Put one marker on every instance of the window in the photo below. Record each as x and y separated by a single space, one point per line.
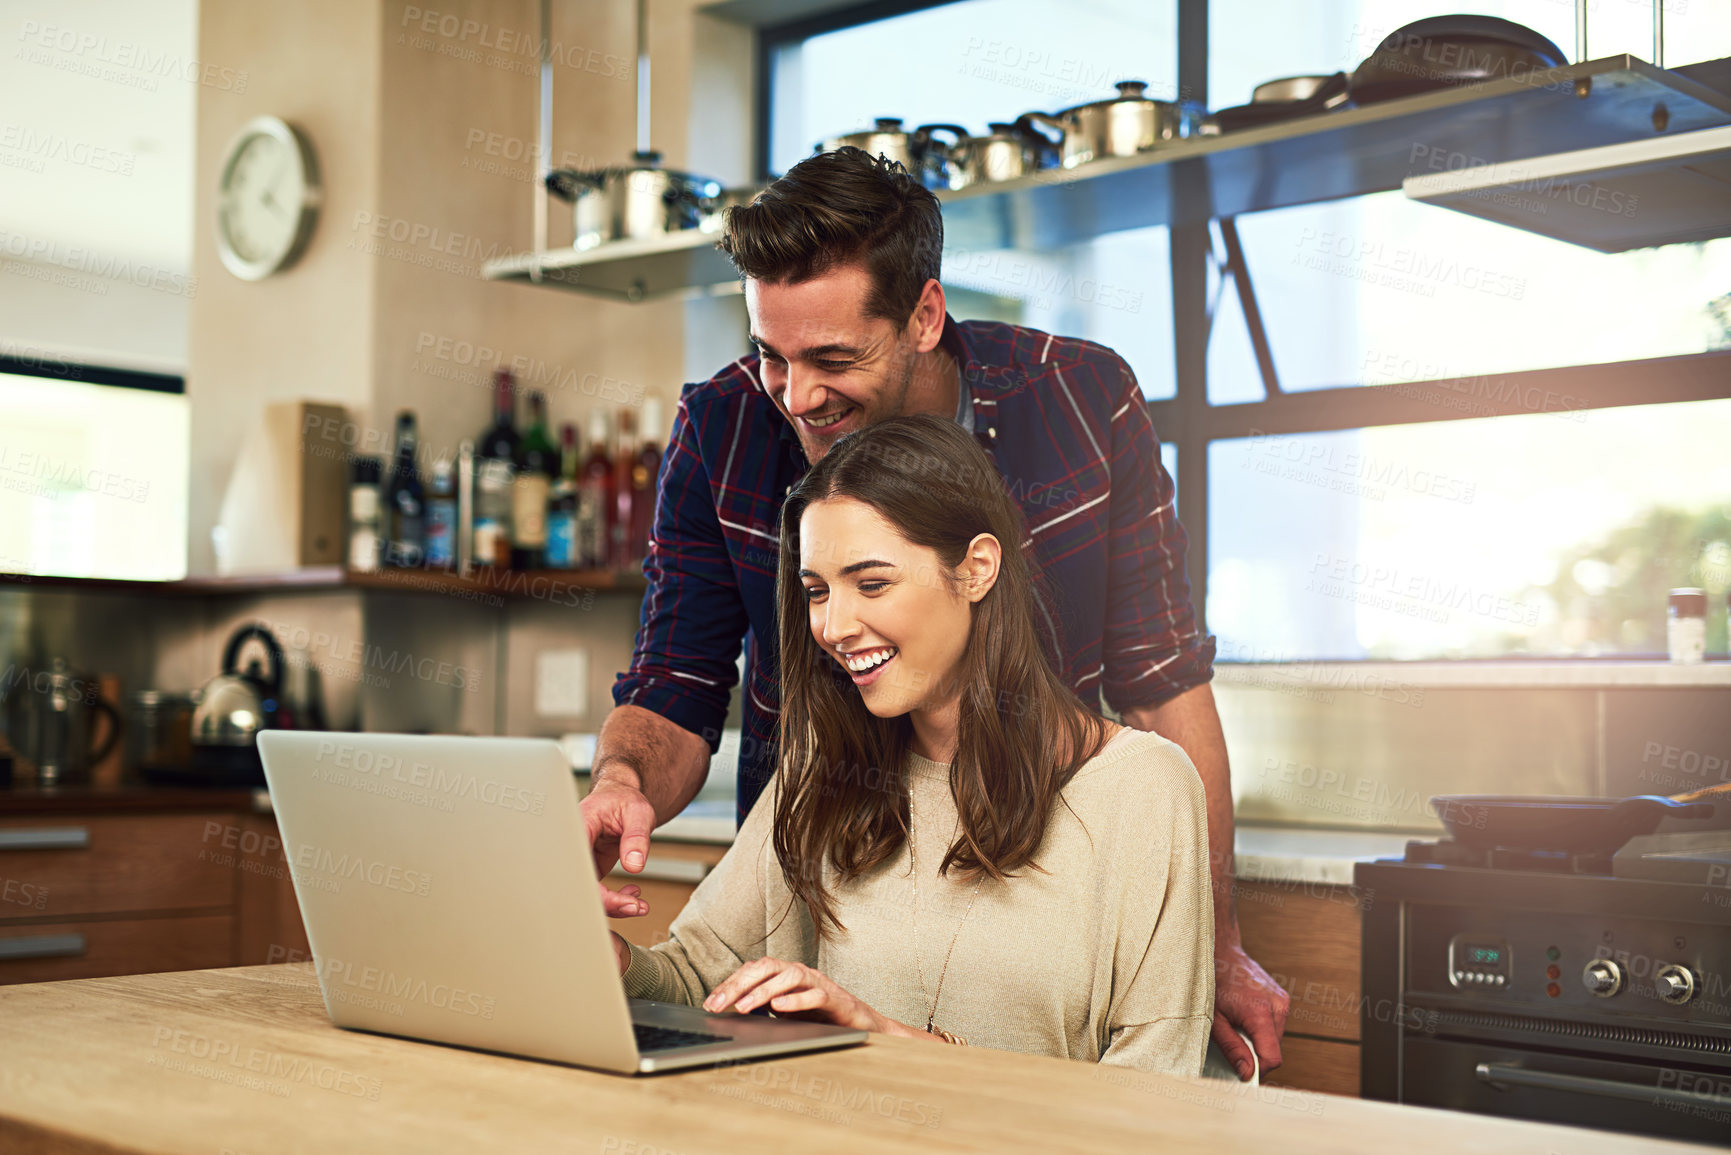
1554 528
93 477
1549 535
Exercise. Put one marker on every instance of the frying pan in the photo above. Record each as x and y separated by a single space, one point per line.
1284 99
1442 51
1569 825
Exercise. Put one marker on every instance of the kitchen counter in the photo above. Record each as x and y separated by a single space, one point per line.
1264 853
245 1060
1466 672
128 797
1295 854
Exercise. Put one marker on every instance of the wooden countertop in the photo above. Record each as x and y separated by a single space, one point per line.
127 797
245 1060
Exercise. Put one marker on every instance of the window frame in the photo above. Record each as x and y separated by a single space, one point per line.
1190 422
54 367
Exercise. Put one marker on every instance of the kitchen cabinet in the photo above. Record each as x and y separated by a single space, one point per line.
669 877
1308 936
87 892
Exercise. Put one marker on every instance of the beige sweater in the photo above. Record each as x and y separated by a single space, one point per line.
1108 957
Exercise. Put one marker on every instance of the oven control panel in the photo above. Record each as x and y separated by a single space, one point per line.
1478 961
1557 962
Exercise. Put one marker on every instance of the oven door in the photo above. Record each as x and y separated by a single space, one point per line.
1683 1101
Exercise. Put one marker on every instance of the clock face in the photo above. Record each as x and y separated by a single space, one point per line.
268 199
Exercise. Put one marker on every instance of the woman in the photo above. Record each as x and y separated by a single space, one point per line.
954 848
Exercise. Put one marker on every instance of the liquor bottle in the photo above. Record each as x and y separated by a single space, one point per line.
442 515
595 503
624 497
405 502
644 471
562 505
364 514
465 506
537 462
495 470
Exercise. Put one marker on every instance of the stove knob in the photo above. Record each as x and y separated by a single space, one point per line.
1603 977
1675 984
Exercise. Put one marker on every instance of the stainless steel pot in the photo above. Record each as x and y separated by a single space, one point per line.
632 202
922 152
1130 124
1005 152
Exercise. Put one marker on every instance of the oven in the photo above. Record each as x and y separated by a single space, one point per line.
1549 988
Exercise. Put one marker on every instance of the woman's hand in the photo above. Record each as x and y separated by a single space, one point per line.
794 990
621 952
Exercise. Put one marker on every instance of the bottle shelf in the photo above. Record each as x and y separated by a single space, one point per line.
508 585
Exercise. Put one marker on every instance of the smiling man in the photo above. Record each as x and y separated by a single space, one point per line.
840 260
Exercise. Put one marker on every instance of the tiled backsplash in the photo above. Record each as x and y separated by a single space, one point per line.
1308 747
1372 752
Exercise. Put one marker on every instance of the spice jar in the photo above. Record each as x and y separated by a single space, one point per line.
1686 626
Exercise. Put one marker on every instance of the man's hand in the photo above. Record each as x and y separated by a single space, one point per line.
618 819
1246 998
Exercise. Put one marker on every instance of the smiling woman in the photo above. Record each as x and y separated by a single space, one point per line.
954 848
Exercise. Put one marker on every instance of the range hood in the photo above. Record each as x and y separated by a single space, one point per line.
1658 191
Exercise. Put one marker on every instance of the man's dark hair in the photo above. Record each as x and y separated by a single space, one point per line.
838 208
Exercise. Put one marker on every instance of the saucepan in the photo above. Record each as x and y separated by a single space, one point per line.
1124 126
1005 152
922 152
632 202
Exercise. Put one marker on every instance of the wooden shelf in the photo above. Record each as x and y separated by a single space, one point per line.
508 585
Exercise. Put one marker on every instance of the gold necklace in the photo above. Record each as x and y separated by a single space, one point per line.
930 999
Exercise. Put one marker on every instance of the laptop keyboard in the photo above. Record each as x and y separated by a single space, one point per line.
669 1039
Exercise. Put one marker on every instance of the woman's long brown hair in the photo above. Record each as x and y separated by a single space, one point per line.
842 795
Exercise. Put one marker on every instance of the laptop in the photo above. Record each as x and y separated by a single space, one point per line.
449 895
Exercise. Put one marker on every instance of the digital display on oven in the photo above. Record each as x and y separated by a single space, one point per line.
1477 962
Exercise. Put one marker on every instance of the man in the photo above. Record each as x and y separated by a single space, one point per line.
840 260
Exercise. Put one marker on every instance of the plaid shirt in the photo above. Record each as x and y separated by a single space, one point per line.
1065 422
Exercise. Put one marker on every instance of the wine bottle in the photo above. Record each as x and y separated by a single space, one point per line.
537 462
644 472
405 502
495 470
442 515
562 505
624 496
595 505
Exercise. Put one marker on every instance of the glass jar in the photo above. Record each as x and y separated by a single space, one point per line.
1686 626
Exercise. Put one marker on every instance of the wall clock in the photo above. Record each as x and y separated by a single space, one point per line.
267 198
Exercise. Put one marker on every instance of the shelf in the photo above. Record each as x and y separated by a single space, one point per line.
506 585
1334 155
1330 156
1663 190
685 262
